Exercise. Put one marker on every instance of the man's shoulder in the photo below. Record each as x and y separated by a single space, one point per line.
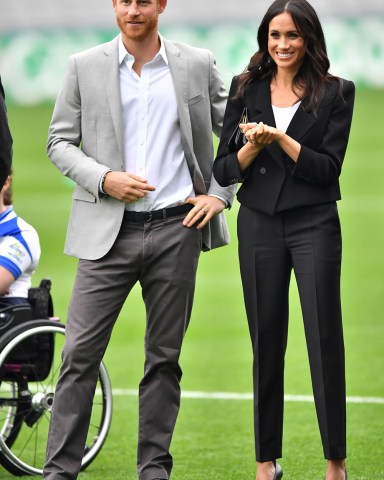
187 49
94 52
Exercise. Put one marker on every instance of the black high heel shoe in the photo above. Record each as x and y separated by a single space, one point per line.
278 471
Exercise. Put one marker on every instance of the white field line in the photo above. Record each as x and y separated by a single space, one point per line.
247 396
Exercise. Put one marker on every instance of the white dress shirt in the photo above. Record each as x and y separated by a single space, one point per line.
152 138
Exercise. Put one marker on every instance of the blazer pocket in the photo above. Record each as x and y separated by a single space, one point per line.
82 194
197 98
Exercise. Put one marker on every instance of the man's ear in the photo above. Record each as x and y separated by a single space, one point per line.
162 5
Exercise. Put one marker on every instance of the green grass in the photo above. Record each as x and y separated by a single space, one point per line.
214 438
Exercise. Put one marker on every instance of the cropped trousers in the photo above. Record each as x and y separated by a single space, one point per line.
306 240
162 255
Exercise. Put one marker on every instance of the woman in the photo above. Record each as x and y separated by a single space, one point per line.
299 118
19 251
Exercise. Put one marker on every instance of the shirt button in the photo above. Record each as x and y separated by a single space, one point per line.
263 170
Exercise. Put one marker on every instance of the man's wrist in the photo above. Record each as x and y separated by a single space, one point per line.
101 183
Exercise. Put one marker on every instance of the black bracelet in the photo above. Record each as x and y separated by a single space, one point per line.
102 182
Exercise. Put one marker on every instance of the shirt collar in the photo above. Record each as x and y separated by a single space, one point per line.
125 55
6 212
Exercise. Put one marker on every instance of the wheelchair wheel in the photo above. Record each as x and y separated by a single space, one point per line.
30 360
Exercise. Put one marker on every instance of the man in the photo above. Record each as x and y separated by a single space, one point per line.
5 140
145 204
19 251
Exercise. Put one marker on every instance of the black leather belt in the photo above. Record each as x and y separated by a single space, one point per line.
163 213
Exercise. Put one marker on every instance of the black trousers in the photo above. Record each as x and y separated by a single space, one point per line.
307 240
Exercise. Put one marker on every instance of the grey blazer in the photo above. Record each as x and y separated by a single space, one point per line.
86 139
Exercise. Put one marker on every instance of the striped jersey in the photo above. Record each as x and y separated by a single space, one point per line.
19 251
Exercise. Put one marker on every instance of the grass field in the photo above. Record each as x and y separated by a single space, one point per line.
214 437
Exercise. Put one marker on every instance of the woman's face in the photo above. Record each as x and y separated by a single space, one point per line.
285 44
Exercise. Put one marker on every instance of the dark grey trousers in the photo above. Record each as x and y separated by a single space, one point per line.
162 255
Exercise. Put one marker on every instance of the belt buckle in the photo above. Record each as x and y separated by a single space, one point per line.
149 216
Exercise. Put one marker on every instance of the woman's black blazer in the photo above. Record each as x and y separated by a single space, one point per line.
274 182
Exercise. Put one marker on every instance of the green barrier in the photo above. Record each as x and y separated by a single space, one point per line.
32 63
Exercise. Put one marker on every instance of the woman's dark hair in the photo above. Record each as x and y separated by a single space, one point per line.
313 73
8 193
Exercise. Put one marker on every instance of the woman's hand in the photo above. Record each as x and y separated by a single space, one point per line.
259 134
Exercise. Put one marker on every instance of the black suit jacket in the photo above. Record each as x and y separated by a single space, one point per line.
5 140
274 182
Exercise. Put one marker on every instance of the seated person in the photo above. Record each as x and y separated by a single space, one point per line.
19 251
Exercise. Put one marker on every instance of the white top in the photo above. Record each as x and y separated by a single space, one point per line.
283 115
152 138
19 251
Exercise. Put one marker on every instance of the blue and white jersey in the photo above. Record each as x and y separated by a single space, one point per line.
19 251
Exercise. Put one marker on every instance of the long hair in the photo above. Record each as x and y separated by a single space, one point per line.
313 74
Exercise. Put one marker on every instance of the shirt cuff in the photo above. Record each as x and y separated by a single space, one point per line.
101 182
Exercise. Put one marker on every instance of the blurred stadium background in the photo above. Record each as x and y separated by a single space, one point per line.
214 437
37 37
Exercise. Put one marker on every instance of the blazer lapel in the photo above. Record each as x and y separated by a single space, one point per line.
301 122
112 86
179 72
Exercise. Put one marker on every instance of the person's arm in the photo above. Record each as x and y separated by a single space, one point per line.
5 141
63 148
6 280
26 243
226 168
218 98
323 165
65 136
218 198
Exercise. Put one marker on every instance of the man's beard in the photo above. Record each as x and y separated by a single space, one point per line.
142 32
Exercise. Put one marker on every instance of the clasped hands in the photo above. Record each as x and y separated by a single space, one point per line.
259 134
128 188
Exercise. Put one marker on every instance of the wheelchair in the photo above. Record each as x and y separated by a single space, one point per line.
31 341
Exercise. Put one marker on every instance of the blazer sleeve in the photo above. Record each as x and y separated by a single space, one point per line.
226 167
65 136
5 141
218 97
323 165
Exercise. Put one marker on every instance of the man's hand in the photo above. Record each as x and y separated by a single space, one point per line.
126 187
205 208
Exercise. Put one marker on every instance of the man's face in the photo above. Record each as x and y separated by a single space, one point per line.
137 19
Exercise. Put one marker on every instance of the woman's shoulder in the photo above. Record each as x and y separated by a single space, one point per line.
339 84
337 89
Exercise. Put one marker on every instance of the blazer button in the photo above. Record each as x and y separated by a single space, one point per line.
263 170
